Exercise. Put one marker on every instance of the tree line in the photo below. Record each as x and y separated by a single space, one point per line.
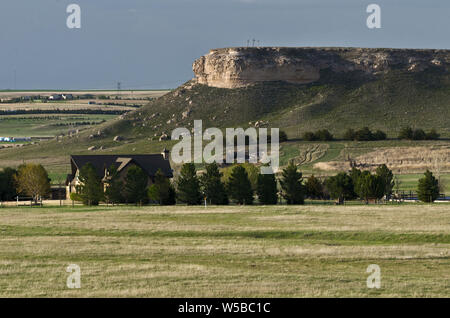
238 184
365 134
242 184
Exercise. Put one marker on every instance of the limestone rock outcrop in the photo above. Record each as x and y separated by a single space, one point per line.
241 66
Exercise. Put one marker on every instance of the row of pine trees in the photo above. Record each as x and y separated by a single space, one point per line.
240 186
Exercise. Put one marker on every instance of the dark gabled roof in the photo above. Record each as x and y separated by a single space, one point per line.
149 163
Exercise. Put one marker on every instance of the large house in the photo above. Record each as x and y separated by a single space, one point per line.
102 164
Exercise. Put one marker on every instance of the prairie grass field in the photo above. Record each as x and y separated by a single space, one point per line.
233 251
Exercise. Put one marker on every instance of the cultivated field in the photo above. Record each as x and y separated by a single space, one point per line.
39 117
297 251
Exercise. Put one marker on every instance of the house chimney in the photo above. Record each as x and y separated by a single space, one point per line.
165 154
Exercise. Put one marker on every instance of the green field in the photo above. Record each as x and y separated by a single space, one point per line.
296 251
47 125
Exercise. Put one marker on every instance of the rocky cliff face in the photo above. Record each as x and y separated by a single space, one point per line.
240 67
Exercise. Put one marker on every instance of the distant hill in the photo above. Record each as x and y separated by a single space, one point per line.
301 89
295 89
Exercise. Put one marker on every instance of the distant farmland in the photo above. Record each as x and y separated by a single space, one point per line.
31 114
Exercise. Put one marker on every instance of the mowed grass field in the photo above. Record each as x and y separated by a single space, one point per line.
281 251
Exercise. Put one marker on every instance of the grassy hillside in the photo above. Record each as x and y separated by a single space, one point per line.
336 102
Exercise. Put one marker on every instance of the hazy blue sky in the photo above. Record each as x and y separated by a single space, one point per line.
152 43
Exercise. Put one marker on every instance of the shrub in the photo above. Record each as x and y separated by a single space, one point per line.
379 135
309 136
364 134
320 135
350 134
75 197
406 133
432 135
283 136
324 135
418 134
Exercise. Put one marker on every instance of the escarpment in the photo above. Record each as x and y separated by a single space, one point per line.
241 67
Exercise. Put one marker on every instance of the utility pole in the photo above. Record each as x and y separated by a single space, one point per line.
119 87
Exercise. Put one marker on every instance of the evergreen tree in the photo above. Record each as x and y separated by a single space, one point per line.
162 191
212 186
91 187
189 185
239 186
428 188
135 188
113 192
388 180
252 172
340 187
7 184
267 189
314 188
291 184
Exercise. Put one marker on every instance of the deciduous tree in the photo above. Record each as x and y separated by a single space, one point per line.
32 180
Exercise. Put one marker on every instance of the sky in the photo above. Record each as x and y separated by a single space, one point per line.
151 44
